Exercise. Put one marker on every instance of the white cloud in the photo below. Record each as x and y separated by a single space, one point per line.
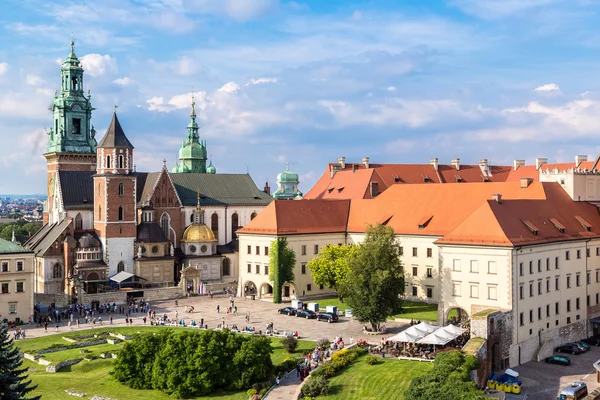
34 80
391 88
229 87
493 9
258 81
3 68
240 10
177 102
97 64
186 66
548 87
124 81
356 16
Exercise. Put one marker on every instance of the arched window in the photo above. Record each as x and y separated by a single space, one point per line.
165 224
57 272
214 222
252 216
192 217
78 222
120 267
121 189
121 163
107 161
226 267
120 213
234 225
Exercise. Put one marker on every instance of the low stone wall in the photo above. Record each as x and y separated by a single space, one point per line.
59 299
70 340
120 297
119 336
74 346
62 364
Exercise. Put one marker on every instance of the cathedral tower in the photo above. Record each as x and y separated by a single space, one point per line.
71 144
115 199
192 154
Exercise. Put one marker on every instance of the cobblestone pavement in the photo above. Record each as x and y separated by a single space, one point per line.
261 313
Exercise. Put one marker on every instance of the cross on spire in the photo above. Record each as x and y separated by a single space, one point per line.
116 106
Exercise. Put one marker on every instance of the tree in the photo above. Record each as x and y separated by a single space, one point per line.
330 268
281 266
376 279
13 380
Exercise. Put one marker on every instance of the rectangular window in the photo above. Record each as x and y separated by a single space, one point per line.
19 265
587 300
266 270
521 292
568 320
303 249
258 269
539 287
415 271
492 292
249 249
530 267
303 269
557 283
578 254
456 265
520 269
530 289
430 272
547 310
249 268
587 278
321 287
414 291
578 280
556 308
597 276
577 303
530 315
20 287
567 255
474 266
374 189
539 313
316 249
258 250
266 250
456 289
429 252
415 252
521 319
12 308
401 250
76 126
430 293
598 251
539 265
475 291
548 264
4 287
597 298
547 285
587 252
556 263
568 281
4 266
568 305
492 267
308 287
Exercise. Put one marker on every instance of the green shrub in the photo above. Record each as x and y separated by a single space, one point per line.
289 344
371 360
316 386
328 370
251 392
262 392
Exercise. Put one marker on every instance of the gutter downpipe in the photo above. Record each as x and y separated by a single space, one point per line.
516 297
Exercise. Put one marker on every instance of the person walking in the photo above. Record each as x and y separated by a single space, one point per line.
218 309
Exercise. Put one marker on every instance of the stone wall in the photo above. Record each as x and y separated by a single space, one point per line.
72 346
120 297
60 299
62 364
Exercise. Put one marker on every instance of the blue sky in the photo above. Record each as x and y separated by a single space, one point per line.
308 81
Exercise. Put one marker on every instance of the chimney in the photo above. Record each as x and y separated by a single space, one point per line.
342 161
579 160
497 197
456 163
519 163
525 182
539 162
365 161
434 162
483 164
267 188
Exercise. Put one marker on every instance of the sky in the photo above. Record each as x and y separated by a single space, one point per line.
306 82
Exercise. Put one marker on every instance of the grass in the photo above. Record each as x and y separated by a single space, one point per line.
93 377
386 380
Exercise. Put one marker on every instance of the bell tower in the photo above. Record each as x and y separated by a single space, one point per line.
115 220
71 138
192 153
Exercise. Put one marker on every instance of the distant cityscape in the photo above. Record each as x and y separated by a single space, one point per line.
21 207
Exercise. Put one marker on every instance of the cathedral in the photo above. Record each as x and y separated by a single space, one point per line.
107 224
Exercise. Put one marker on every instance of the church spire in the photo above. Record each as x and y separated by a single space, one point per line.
198 212
192 154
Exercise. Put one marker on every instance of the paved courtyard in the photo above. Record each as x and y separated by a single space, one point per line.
261 313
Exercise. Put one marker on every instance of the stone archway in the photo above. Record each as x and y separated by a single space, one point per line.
289 291
265 291
249 288
91 284
456 314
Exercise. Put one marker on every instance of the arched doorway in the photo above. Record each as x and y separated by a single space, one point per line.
78 222
91 284
265 291
249 288
290 291
456 315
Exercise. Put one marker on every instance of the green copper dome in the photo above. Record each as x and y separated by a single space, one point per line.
211 169
287 185
287 176
192 154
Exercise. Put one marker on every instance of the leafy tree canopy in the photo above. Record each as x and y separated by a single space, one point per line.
331 267
21 228
376 279
281 266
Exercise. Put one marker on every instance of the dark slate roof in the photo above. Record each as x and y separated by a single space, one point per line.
115 137
229 248
150 232
50 237
145 191
39 235
218 189
141 178
77 189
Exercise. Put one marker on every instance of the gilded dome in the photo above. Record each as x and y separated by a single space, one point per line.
198 233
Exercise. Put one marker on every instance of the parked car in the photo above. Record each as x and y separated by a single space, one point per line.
287 311
308 314
569 348
560 360
582 346
594 340
329 317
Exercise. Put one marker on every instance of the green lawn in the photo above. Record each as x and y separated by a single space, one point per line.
386 380
93 377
